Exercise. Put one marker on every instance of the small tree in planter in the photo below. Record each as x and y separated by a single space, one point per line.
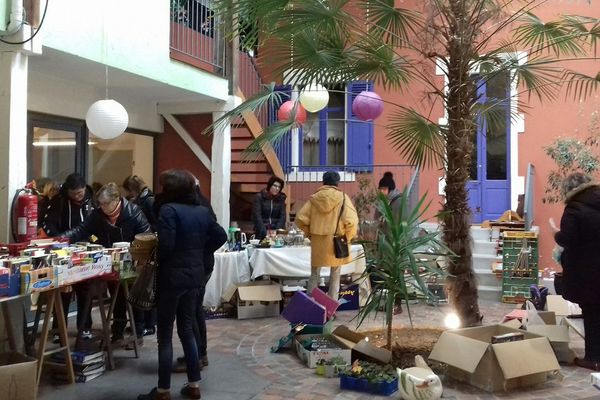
395 269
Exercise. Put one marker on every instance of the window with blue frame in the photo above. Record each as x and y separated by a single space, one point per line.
332 137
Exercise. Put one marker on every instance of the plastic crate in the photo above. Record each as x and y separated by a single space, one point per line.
363 385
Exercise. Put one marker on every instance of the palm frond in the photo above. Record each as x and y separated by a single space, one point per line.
539 76
559 37
392 24
416 138
270 137
580 85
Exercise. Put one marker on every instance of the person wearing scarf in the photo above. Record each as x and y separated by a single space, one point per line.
268 210
115 220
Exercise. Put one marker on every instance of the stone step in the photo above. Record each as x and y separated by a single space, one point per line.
490 293
484 247
484 261
485 277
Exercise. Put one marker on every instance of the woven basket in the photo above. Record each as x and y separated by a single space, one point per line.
142 246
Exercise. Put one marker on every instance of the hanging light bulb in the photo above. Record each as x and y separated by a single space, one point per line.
107 118
314 98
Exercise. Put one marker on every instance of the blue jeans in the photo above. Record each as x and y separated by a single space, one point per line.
200 324
180 304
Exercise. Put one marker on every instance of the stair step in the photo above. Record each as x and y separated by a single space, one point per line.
236 156
486 277
240 133
259 178
240 144
250 167
491 293
484 247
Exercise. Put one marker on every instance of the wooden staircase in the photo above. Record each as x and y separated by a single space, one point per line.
249 176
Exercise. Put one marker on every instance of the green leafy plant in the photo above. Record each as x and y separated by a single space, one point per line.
364 199
393 263
336 361
372 372
572 155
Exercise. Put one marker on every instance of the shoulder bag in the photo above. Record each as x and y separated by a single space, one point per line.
340 242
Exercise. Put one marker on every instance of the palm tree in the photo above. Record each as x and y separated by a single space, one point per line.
471 41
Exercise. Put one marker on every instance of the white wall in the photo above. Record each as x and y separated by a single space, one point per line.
128 35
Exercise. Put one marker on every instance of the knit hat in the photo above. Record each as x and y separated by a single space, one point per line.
387 181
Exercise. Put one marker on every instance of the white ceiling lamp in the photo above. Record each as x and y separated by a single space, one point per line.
107 119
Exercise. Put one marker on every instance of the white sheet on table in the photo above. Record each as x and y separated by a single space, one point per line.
229 268
295 261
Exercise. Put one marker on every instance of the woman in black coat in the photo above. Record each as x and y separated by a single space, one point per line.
268 210
579 236
186 234
115 220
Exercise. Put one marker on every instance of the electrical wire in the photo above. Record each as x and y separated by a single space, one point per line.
35 33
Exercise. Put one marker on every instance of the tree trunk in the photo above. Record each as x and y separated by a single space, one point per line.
462 284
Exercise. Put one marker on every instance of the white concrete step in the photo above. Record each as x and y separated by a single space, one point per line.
485 277
484 261
490 293
484 246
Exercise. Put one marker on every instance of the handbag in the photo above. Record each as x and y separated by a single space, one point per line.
142 294
340 242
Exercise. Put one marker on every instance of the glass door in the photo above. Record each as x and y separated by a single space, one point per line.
55 149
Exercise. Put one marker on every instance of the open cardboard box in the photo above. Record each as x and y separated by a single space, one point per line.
361 348
18 374
557 334
564 309
472 358
256 299
312 357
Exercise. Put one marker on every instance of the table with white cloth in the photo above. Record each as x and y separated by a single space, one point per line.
230 267
295 262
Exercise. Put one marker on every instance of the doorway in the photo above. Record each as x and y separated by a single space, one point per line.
489 184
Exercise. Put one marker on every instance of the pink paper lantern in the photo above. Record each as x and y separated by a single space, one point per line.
367 106
285 112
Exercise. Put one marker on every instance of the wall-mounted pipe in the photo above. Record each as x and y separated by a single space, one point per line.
16 18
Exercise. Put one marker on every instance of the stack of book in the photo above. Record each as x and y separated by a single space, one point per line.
87 365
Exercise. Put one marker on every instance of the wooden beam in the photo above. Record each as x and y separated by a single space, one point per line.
189 140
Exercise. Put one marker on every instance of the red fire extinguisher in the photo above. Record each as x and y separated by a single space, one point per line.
25 215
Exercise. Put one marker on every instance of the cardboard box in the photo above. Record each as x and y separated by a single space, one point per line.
561 307
36 280
348 297
18 376
303 309
595 379
102 266
361 348
254 299
557 334
312 357
471 358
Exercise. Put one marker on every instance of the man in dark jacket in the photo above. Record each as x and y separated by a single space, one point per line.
580 259
268 211
70 208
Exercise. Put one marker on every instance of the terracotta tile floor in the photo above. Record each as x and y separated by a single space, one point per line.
251 340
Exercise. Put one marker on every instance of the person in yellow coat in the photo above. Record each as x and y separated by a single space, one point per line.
318 218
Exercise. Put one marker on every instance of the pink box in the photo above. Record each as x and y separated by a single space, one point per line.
331 305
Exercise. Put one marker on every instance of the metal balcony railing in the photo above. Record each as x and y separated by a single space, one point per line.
195 35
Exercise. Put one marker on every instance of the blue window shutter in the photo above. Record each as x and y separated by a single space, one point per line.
359 133
283 149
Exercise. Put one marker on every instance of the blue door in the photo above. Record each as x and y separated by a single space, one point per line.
489 185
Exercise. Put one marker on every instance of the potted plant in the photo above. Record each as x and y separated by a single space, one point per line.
333 366
393 265
364 376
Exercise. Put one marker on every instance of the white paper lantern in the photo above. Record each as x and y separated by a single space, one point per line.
107 119
314 98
